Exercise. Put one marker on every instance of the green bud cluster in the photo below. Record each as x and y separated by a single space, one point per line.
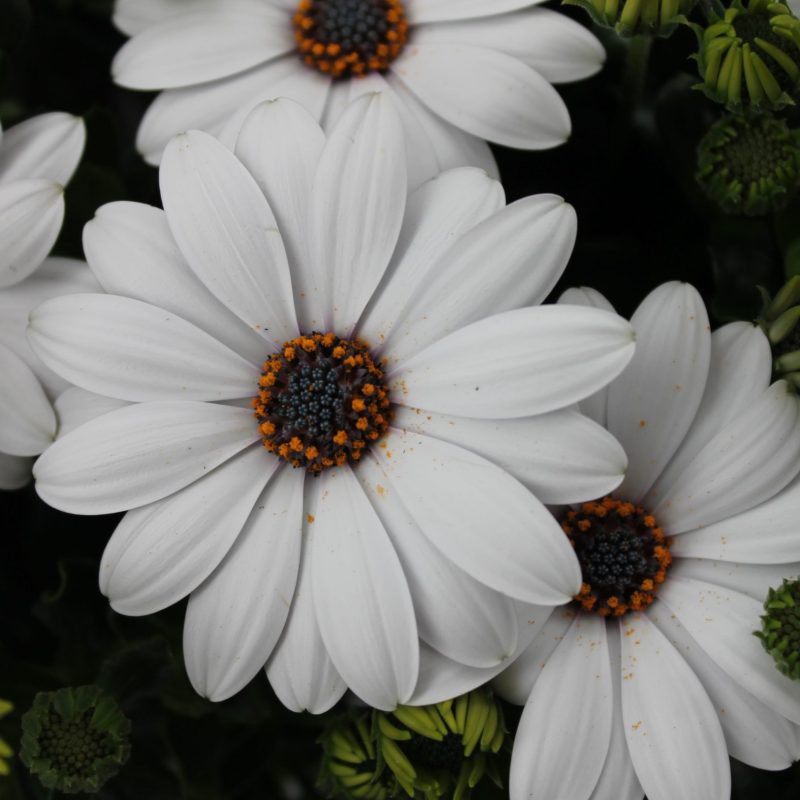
749 164
750 57
780 627
74 740
779 320
426 753
636 17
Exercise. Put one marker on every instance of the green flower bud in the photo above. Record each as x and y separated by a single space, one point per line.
351 767
749 164
74 740
443 750
750 57
780 627
5 750
779 320
636 17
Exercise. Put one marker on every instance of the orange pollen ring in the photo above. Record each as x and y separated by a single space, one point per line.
624 555
322 401
350 38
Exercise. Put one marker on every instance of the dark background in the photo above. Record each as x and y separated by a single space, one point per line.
628 170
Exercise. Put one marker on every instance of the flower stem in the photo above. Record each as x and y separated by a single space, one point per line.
636 68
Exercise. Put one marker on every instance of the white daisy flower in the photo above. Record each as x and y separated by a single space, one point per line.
37 158
296 267
459 72
656 677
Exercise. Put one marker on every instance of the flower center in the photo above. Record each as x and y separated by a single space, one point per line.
322 401
350 37
623 555
73 746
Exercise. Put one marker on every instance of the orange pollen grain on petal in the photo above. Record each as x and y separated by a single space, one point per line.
340 437
358 404
584 525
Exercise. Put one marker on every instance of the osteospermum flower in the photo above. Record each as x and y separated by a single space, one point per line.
278 331
37 158
654 676
458 73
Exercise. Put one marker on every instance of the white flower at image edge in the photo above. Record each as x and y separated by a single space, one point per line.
653 702
333 577
471 71
37 158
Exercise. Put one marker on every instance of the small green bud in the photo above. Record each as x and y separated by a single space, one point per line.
780 627
749 164
443 750
5 750
750 57
780 320
74 740
636 17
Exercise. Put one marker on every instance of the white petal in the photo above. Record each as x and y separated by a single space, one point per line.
441 678
618 779
300 670
754 734
652 404
54 278
445 10
561 743
739 372
486 93
48 146
558 48
280 144
235 618
749 461
132 253
161 552
461 618
75 406
27 421
562 457
673 733
220 107
226 231
15 472
357 206
455 497
437 215
595 407
31 213
361 597
516 364
139 454
722 622
516 683
308 87
510 260
134 351
751 579
766 534
450 146
133 16
421 157
433 145
203 45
